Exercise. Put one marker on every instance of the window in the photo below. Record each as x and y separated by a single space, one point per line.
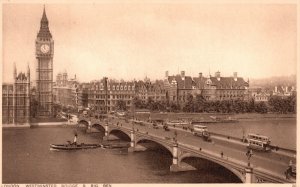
118 87
128 87
121 87
113 87
125 87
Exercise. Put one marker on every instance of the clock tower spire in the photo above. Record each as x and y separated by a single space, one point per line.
44 51
44 27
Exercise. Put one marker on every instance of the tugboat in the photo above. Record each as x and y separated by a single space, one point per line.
69 147
73 146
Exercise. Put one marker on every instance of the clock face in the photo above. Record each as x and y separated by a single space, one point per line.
45 48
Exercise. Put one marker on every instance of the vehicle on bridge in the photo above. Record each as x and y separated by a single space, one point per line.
155 126
177 123
258 142
138 122
166 128
121 113
201 130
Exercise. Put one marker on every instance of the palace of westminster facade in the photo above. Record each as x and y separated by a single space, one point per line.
102 95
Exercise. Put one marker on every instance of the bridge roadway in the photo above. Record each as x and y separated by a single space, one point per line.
265 166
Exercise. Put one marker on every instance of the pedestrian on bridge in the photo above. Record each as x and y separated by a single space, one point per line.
222 154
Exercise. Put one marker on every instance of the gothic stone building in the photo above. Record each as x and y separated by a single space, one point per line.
16 99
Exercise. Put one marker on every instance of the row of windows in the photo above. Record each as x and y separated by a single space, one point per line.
110 103
230 96
154 98
261 98
116 87
19 113
231 92
112 97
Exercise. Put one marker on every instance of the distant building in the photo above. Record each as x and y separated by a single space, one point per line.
225 88
146 90
104 94
83 91
259 95
16 99
211 88
178 87
284 91
65 91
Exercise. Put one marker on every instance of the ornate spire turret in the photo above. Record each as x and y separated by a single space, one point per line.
44 29
15 71
28 72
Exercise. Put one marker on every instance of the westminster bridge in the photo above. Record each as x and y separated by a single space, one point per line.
262 167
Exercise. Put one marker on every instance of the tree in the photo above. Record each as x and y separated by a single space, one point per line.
251 106
174 107
121 105
199 103
150 104
138 103
189 106
34 107
56 109
261 107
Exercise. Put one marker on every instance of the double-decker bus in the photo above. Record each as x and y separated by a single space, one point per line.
201 130
259 142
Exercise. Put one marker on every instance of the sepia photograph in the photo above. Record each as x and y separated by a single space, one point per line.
149 92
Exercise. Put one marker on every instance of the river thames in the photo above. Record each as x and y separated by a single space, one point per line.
27 158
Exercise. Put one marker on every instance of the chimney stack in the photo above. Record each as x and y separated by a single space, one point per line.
218 75
235 76
182 75
200 75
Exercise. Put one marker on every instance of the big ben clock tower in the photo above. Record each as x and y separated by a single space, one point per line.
44 49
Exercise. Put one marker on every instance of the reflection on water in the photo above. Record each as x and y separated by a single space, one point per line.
28 159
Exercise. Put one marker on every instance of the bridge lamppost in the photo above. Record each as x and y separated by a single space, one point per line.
249 155
249 169
175 136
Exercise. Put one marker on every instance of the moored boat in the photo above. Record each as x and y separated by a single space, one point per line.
68 147
115 145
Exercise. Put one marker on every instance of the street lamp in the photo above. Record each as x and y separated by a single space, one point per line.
175 136
249 155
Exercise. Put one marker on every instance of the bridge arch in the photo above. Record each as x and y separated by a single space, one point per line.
120 133
236 172
167 147
98 125
83 122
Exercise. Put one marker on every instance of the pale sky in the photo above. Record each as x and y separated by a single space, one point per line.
136 40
